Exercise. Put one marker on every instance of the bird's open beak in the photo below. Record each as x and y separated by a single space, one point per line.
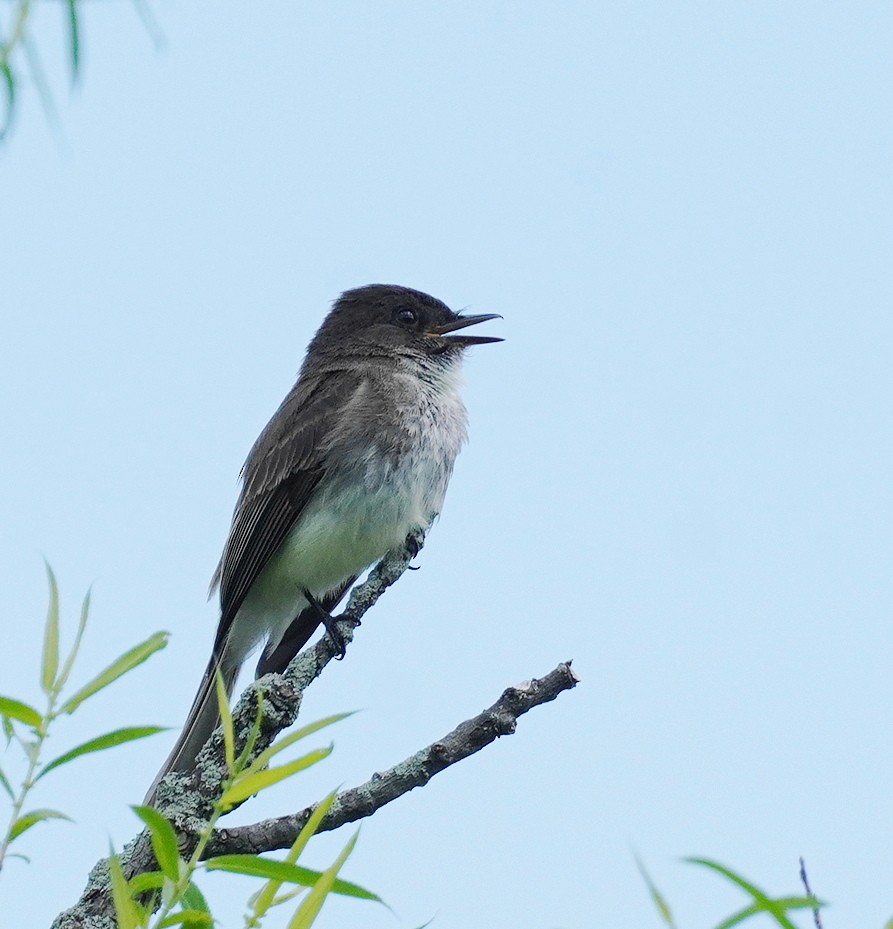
461 323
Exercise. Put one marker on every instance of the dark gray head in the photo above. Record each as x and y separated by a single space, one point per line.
388 319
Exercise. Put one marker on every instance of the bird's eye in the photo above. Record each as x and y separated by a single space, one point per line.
407 316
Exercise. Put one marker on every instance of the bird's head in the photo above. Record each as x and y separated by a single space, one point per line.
389 319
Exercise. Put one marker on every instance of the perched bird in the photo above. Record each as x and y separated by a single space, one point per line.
356 458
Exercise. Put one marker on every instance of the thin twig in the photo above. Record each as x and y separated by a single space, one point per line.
816 916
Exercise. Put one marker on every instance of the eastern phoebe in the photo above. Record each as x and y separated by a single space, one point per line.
356 458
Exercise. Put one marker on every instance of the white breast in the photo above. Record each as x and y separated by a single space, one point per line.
364 508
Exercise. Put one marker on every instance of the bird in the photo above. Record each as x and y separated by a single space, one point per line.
356 459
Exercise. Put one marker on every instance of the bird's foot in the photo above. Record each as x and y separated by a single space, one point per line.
414 542
326 618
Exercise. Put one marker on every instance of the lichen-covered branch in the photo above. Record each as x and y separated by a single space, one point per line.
186 799
357 802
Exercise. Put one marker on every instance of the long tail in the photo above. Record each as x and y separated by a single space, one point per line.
203 717
201 722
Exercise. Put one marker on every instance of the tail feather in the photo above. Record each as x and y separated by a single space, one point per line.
204 716
200 723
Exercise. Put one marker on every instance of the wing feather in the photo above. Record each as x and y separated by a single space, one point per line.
283 468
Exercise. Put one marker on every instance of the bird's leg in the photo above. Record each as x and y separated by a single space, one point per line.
326 618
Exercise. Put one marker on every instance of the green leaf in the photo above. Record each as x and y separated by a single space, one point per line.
15 709
150 24
127 911
312 903
100 743
9 86
4 782
310 827
660 903
74 39
164 840
762 902
776 908
226 721
194 899
264 757
753 890
127 662
148 880
49 662
27 820
266 896
76 645
188 918
248 785
283 872
279 898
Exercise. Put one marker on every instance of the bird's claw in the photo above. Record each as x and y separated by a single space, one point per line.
328 621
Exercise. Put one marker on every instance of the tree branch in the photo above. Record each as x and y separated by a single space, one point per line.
186 799
357 802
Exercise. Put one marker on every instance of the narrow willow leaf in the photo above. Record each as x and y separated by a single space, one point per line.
76 645
148 880
15 709
226 721
190 919
9 86
27 820
150 24
194 899
264 757
100 743
312 903
762 902
310 827
74 38
284 872
657 898
290 895
266 896
800 903
4 782
49 661
127 912
164 840
129 660
752 889
248 785
730 921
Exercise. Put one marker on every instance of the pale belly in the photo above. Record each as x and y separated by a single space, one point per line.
347 527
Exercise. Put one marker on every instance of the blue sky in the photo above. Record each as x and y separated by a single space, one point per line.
680 459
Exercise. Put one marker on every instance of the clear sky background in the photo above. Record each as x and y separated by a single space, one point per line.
679 472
